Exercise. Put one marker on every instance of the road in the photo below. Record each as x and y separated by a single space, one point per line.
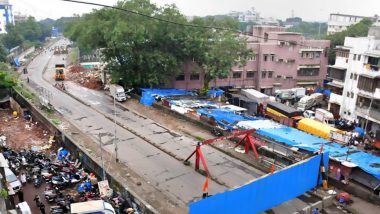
157 162
179 182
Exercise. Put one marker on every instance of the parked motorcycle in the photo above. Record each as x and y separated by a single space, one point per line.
37 181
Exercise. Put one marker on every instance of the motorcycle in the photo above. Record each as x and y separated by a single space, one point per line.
51 194
37 181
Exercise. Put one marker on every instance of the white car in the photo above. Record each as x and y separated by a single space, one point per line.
12 180
309 114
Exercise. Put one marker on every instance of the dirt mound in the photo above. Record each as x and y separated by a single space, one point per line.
86 77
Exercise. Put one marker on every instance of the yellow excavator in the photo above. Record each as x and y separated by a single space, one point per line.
59 72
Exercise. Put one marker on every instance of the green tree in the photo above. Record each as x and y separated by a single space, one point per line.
146 52
6 80
217 51
357 30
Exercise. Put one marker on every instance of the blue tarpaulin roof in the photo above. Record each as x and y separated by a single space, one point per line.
149 94
215 92
224 116
294 137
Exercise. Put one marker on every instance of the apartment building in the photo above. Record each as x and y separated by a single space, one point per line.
340 22
355 84
282 60
6 15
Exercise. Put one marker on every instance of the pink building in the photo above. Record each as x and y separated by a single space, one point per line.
282 60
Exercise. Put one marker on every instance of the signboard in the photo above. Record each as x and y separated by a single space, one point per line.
104 189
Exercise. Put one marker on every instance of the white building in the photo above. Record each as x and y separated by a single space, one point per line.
6 15
355 82
340 22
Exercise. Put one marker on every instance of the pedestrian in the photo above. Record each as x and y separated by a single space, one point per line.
20 195
37 200
23 178
316 211
27 79
42 208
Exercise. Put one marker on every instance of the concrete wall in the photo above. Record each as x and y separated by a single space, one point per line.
87 161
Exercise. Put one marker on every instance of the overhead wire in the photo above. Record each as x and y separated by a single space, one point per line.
184 24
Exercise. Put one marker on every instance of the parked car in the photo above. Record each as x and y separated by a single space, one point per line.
309 114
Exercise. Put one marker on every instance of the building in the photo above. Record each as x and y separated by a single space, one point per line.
340 22
6 15
355 84
247 16
282 60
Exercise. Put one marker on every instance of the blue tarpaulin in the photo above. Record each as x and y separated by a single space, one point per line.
17 62
62 154
149 95
215 92
359 130
266 192
223 117
327 92
296 138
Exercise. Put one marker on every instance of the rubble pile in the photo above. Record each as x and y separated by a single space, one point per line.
86 77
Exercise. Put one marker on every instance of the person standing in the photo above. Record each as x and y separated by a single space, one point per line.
23 178
37 200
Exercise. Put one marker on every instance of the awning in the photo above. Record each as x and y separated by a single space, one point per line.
373 53
263 87
334 84
371 75
309 66
307 83
277 83
311 50
337 67
342 47
365 179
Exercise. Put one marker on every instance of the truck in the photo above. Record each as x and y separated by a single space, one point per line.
117 92
59 72
310 102
322 130
96 206
283 114
293 94
325 117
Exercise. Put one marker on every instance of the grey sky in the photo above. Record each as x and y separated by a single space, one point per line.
310 10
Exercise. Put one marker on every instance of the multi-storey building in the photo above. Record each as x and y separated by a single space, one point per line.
355 82
282 60
340 22
6 15
19 17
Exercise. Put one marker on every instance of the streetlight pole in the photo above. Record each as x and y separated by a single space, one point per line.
114 120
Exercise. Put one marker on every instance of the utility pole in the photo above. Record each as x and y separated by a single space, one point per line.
114 120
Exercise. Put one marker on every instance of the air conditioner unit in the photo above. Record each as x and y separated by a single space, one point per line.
283 76
277 60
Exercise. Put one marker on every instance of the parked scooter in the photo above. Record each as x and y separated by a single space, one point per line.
37 181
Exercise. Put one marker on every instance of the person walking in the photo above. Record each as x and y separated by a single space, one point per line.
42 208
20 195
23 178
37 200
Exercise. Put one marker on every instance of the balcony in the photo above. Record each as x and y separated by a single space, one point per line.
337 73
373 113
336 98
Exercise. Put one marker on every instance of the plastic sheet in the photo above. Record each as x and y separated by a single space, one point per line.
266 192
215 92
294 137
149 95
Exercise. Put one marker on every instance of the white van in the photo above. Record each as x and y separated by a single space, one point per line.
12 179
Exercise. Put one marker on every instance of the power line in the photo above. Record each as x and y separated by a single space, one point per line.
180 24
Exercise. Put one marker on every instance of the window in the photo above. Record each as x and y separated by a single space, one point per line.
354 56
278 76
252 58
311 55
352 94
351 76
194 77
180 77
359 56
263 74
236 74
265 57
317 54
272 57
270 74
308 72
356 76
250 74
348 94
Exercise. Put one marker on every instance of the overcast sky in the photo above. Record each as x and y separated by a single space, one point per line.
310 10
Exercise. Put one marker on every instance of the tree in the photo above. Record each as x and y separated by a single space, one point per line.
145 52
217 51
357 30
6 80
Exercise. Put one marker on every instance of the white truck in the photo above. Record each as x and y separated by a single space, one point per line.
96 206
325 117
290 94
309 102
118 93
